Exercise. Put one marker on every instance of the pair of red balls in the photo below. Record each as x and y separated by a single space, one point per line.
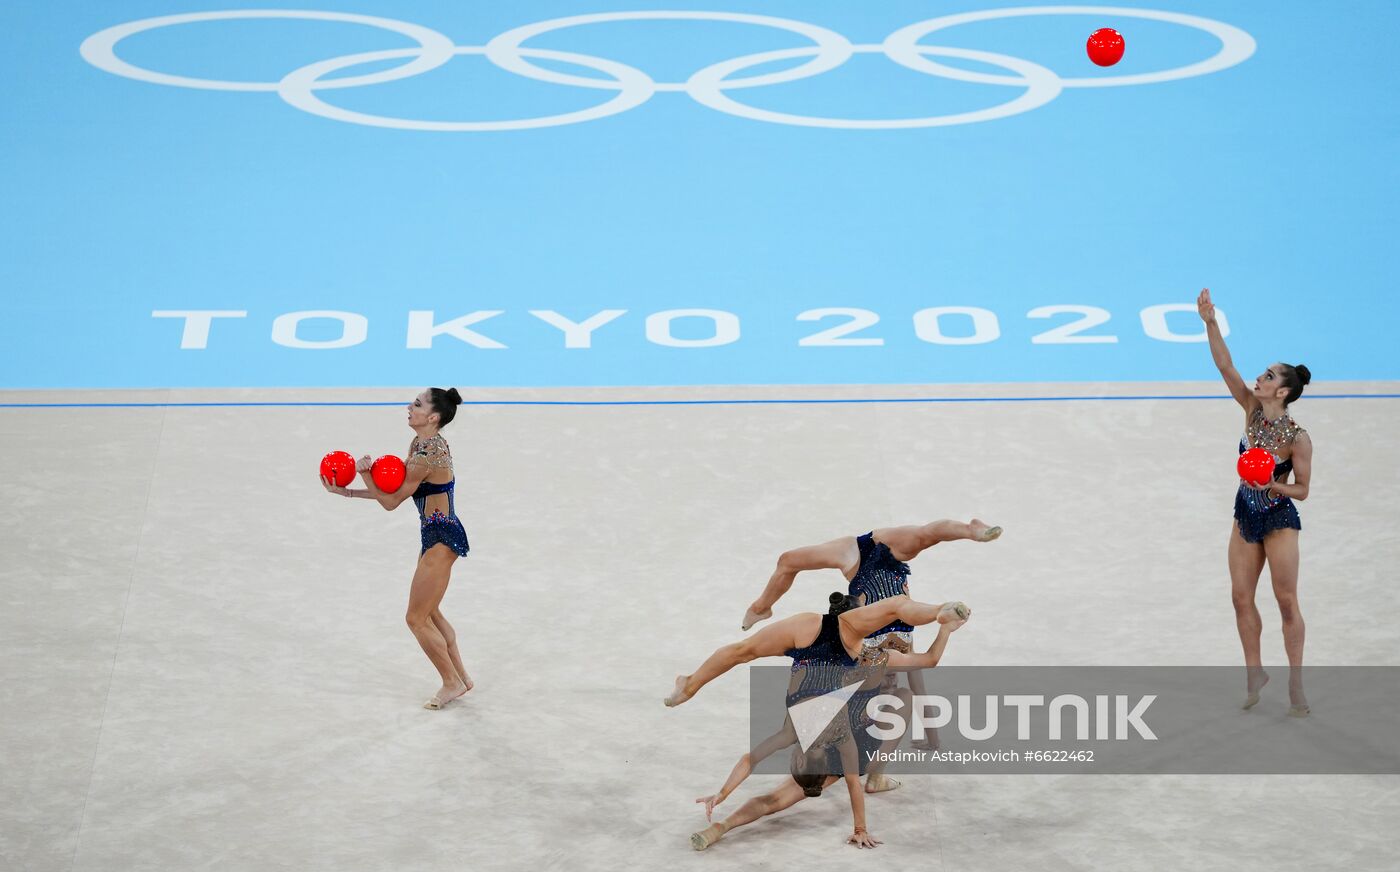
387 472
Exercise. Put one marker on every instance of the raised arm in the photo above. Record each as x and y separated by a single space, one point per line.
1221 355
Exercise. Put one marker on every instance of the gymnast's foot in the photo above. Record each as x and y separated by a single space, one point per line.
445 695
1297 703
880 783
981 532
707 837
1253 684
953 612
752 617
678 695
466 681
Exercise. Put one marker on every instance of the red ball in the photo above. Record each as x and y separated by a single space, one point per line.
388 473
1105 46
1256 466
339 467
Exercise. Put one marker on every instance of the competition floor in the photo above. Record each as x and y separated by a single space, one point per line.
205 664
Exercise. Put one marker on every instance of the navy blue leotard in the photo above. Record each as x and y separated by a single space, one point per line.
880 576
1257 512
437 527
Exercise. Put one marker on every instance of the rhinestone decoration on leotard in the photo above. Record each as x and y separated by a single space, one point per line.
1259 512
880 576
436 526
1273 435
432 451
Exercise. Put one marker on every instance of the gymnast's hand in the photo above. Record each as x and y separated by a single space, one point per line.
710 802
861 839
331 486
1205 307
1260 488
364 464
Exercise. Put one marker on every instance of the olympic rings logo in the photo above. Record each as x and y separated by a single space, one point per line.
632 87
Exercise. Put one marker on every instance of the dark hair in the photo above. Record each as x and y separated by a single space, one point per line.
1294 378
445 403
808 769
841 602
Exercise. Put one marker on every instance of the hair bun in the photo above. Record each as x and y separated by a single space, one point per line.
1304 376
455 397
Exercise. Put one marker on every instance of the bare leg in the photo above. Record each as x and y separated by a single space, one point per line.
906 543
785 737
1246 563
449 636
786 796
861 622
794 632
837 554
876 781
930 740
1281 546
429 585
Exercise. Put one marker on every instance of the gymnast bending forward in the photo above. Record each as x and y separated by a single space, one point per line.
847 747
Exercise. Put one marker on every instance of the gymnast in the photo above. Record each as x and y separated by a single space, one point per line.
846 746
429 483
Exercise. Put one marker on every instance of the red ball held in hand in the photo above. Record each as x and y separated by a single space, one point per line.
1256 466
1105 46
339 467
388 473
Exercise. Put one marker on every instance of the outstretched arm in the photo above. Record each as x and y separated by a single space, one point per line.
928 659
1220 354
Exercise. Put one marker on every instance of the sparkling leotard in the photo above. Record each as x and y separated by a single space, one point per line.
1256 512
825 671
437 527
881 576
824 664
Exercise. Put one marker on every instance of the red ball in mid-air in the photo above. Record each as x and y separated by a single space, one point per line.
1105 46
339 467
388 473
1256 466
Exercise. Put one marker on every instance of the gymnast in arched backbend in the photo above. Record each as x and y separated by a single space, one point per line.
846 747
875 567
843 635
808 681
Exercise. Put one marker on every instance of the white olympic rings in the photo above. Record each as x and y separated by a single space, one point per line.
634 87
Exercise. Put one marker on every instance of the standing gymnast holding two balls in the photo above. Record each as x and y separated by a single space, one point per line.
1266 521
429 482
